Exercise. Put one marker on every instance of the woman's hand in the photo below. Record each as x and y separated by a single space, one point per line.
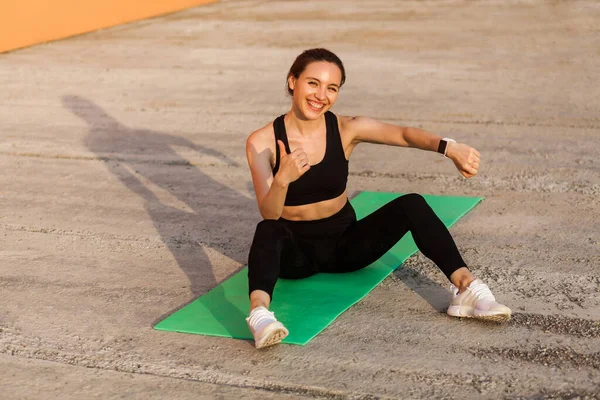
291 166
465 158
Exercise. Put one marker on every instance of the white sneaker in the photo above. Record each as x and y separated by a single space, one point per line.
477 301
266 330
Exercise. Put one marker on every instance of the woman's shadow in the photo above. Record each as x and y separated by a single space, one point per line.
195 218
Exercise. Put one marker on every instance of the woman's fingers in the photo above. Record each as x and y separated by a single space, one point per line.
473 161
299 157
297 153
298 161
471 169
302 160
305 168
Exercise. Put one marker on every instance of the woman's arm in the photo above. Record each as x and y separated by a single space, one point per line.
364 129
271 190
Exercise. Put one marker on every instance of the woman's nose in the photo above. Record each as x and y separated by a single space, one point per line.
321 93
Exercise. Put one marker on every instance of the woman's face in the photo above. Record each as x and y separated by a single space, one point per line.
316 89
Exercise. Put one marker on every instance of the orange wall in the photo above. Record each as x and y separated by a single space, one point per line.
27 22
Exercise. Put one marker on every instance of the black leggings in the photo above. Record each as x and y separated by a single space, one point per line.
299 249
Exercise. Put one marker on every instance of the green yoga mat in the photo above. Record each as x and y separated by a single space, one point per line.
306 306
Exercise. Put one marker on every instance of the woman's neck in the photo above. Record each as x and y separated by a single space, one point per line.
304 127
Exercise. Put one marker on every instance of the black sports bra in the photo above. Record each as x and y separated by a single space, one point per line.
323 181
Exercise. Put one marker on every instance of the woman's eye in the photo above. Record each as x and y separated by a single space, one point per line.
333 89
312 83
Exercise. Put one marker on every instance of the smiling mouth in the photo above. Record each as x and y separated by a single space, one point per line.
316 106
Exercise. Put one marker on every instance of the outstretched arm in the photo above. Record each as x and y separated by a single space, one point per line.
364 129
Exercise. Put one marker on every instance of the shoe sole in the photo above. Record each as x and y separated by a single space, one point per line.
272 337
494 317
461 312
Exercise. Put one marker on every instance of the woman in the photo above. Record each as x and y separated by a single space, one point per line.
299 167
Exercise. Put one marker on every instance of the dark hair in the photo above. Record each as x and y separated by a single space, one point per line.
310 56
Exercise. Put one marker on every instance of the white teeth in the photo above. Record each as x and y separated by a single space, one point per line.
315 105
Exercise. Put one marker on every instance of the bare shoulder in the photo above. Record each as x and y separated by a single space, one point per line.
354 125
262 138
260 145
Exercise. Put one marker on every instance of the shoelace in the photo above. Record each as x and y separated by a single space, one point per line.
259 316
482 291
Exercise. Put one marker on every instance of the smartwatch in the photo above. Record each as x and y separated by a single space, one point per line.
443 147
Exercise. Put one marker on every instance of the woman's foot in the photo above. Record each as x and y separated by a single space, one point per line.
477 301
265 328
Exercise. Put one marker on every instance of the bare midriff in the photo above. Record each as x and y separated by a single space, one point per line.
313 211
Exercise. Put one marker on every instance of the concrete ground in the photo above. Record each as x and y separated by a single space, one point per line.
124 194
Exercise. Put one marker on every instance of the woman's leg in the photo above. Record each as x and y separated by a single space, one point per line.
371 237
275 252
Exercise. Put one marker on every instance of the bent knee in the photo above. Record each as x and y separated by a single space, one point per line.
412 200
270 228
268 224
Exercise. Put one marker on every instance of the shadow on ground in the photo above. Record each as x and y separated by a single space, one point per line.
125 152
437 296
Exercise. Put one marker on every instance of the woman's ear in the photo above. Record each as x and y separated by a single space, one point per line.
291 82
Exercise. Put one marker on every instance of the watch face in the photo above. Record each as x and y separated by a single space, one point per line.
442 146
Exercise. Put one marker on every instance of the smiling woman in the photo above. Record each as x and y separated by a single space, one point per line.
299 167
